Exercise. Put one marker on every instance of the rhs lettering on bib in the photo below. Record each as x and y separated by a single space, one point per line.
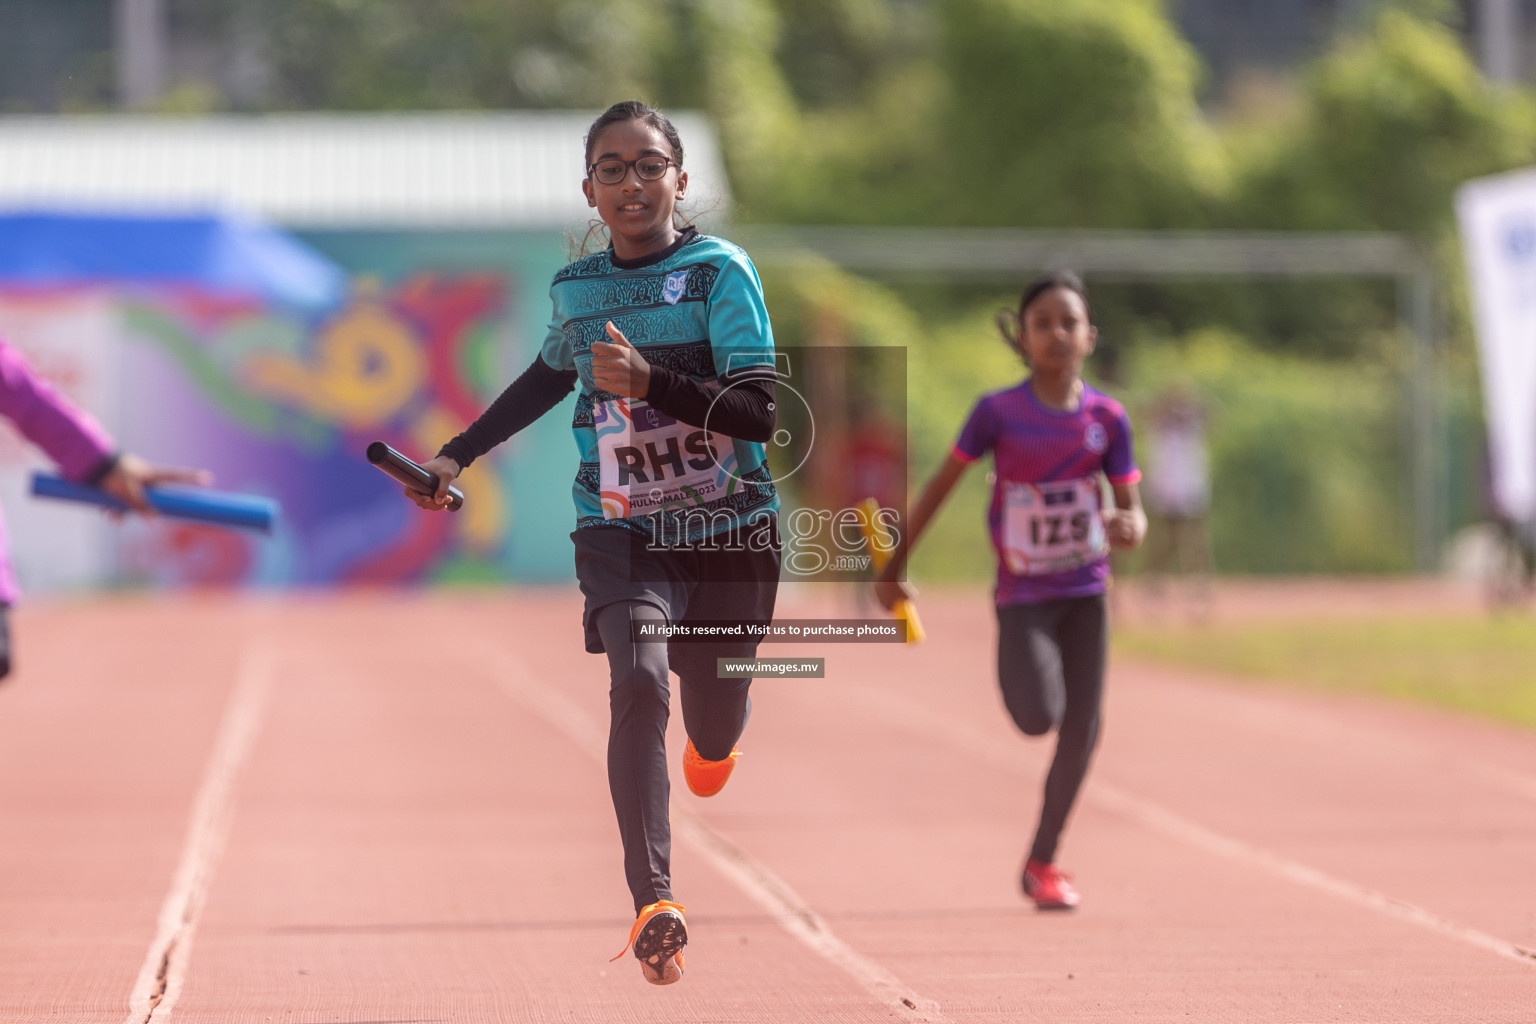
648 461
1052 527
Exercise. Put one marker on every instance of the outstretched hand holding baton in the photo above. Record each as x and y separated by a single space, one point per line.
896 595
131 476
133 485
428 484
890 589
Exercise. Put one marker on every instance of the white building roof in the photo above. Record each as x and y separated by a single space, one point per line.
476 170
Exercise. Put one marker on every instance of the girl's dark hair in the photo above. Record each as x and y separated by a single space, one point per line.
634 110
1010 322
627 110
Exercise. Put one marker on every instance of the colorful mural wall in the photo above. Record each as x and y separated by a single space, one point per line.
282 404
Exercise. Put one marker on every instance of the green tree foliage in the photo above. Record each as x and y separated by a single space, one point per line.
1387 126
745 91
993 112
1309 464
444 55
1071 115
1393 121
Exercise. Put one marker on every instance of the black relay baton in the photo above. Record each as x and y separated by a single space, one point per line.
409 473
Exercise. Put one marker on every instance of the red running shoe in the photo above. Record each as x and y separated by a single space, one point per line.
706 778
1049 886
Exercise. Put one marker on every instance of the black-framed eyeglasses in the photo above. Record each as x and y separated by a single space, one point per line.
650 167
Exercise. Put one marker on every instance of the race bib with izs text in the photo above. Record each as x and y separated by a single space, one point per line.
1051 527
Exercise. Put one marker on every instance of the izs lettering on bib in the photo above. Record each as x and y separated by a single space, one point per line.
649 461
1051 527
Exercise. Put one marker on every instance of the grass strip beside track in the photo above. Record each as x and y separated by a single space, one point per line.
1484 665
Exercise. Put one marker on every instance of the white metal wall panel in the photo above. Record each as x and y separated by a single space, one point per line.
336 170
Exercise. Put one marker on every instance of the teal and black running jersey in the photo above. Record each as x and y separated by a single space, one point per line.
698 310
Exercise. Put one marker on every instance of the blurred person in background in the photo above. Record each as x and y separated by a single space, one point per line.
1053 441
1179 493
79 446
1517 575
872 460
1510 572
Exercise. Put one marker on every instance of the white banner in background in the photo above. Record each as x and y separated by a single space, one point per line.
1498 234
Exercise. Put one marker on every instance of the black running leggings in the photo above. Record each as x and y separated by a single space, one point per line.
715 712
1050 664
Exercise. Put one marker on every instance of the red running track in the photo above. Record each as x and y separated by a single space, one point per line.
383 807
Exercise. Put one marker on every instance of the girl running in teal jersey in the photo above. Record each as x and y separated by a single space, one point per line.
1052 439
667 335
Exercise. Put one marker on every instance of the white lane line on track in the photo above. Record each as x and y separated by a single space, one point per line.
1159 819
1271 714
160 979
788 909
795 917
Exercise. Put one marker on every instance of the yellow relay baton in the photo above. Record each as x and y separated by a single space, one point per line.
880 548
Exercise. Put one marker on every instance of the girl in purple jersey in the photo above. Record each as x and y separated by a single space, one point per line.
1052 438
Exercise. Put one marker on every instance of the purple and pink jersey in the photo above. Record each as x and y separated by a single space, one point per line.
1044 513
74 440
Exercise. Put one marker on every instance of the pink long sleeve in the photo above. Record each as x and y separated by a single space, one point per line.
71 437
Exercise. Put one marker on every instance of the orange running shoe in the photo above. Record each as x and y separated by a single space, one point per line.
1049 886
706 778
657 939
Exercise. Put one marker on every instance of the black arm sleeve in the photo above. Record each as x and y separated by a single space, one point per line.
737 408
536 391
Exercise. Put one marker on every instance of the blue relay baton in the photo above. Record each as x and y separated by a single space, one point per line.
220 508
